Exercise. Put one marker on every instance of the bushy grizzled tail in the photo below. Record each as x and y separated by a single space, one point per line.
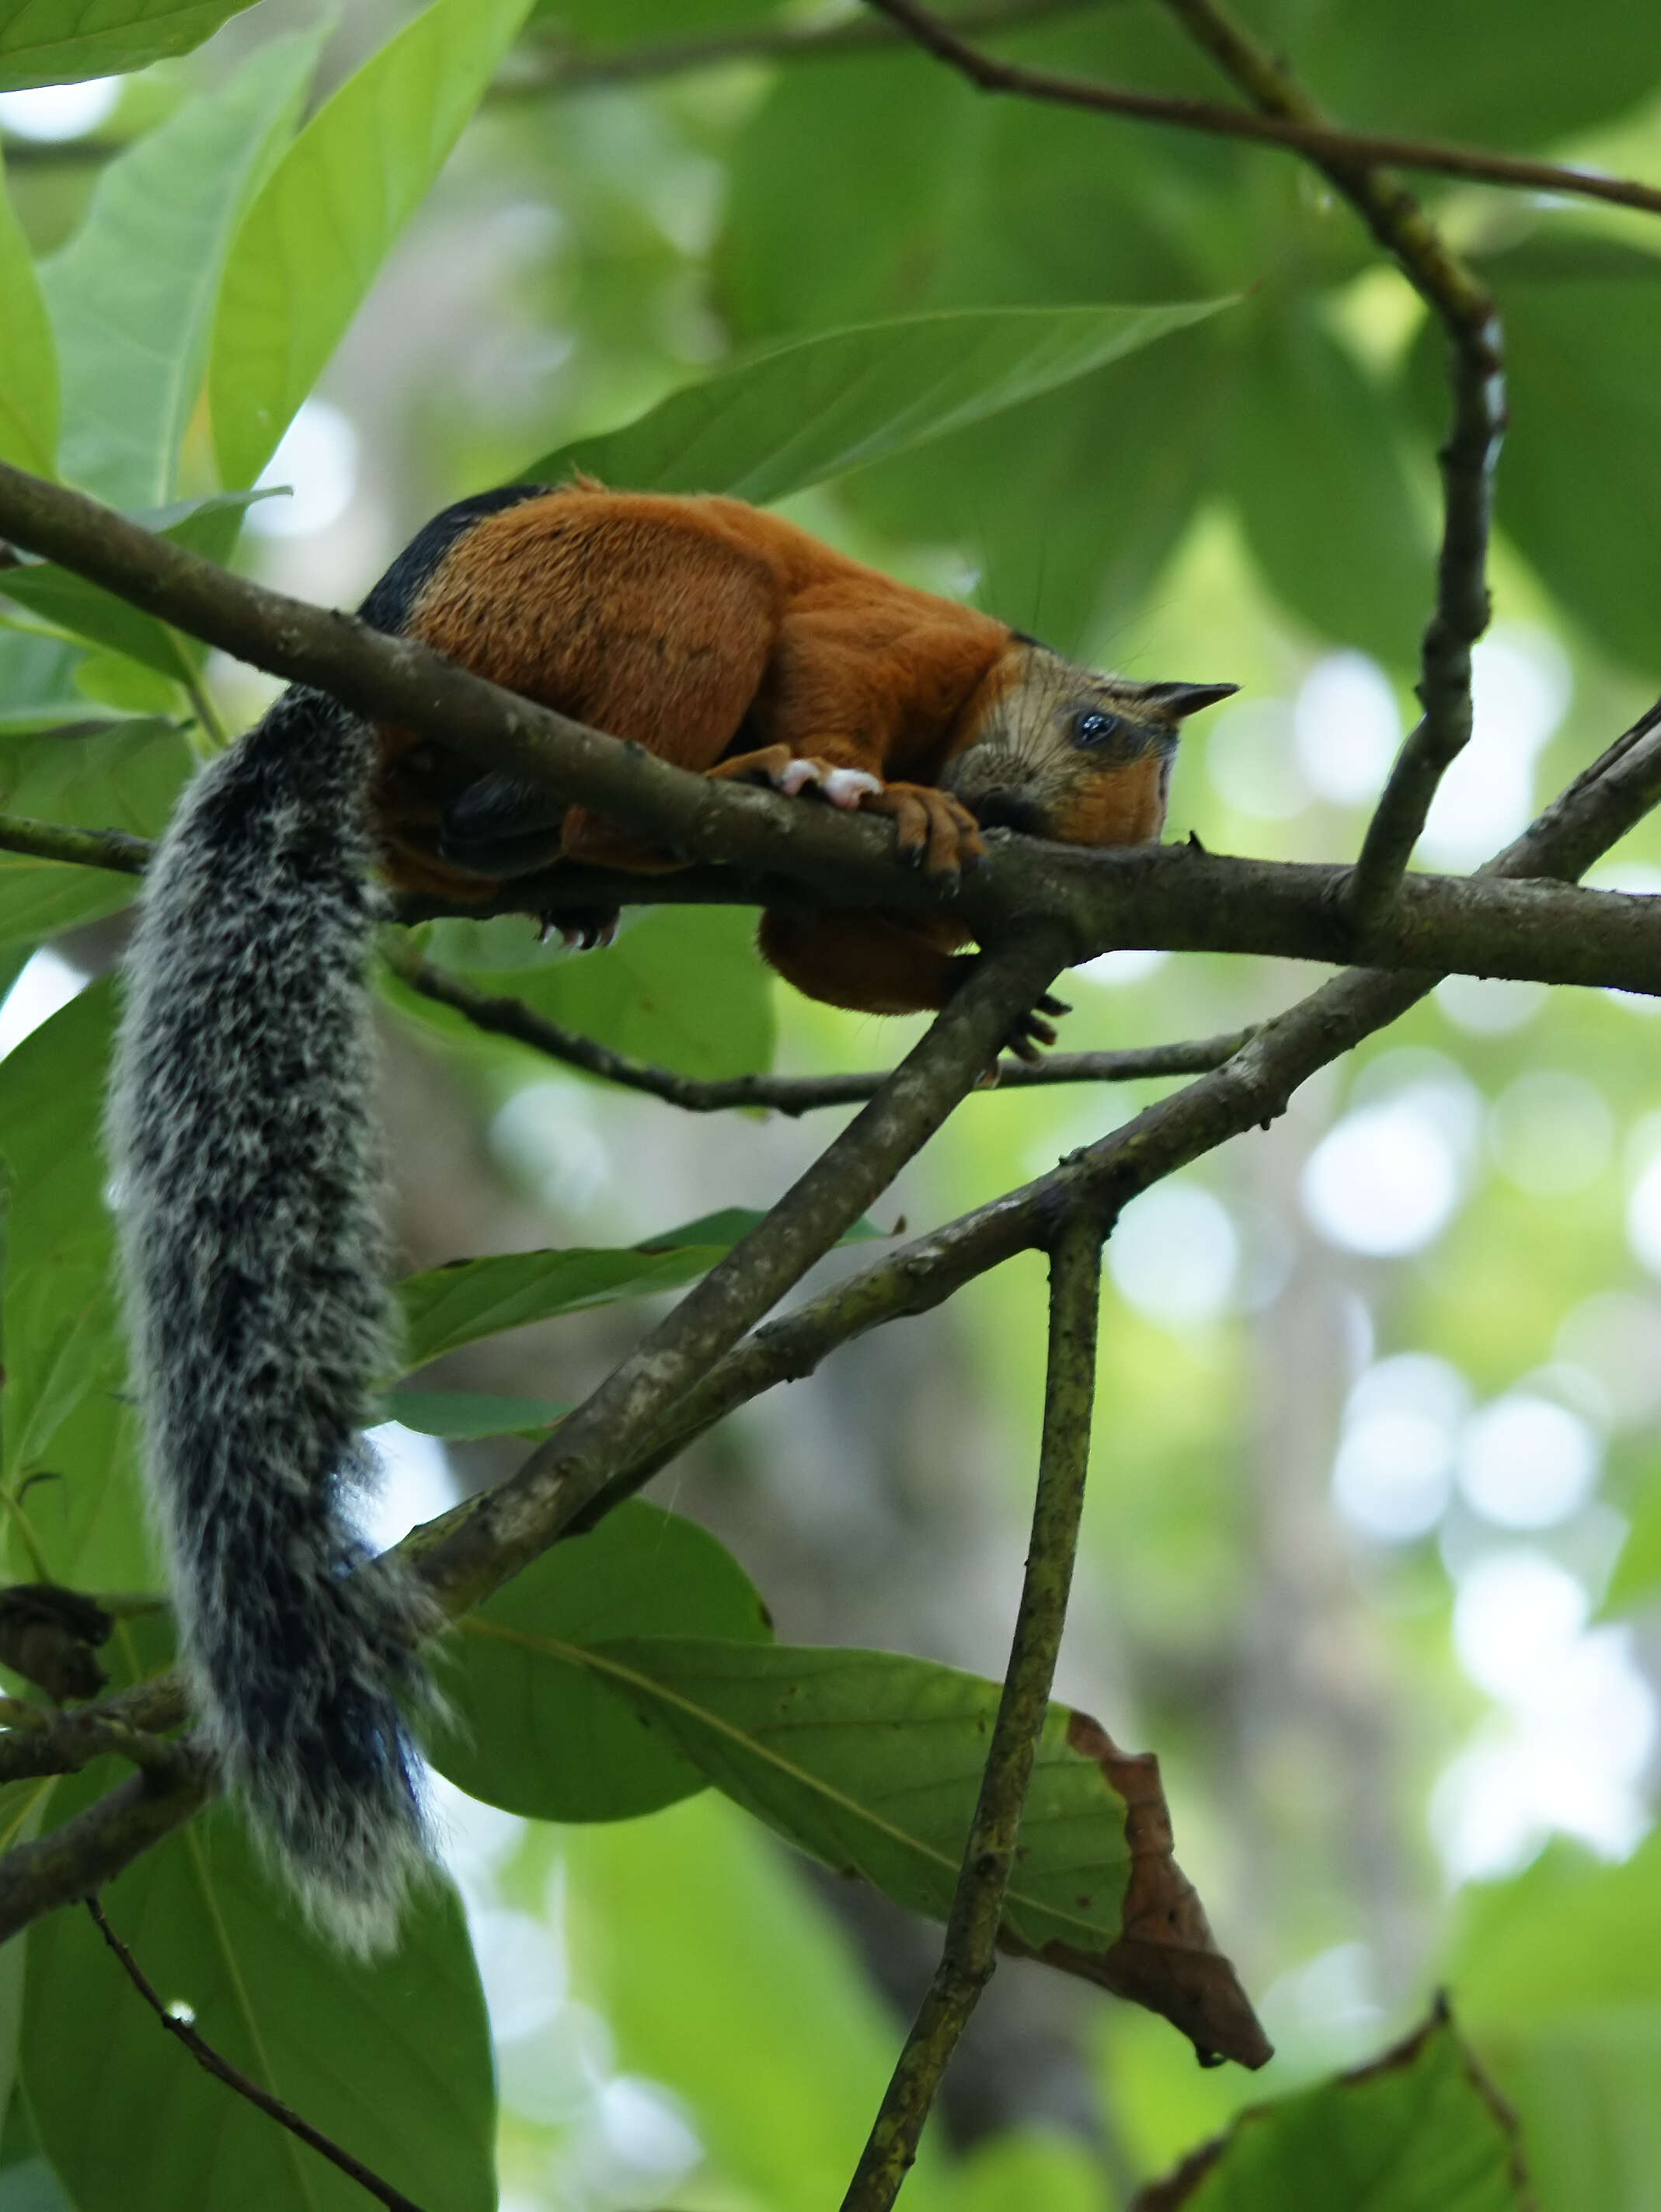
247 1190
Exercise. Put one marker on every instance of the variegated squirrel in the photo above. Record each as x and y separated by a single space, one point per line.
723 639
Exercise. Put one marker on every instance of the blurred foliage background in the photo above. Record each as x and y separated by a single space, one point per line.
1373 1547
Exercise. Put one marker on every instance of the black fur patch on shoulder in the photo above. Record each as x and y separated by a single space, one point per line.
388 607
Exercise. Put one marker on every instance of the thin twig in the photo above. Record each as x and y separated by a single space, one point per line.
206 2056
559 71
783 1094
1470 322
1322 141
969 1952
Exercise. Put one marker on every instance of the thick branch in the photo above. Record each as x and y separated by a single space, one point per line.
1144 897
969 1952
1169 896
1318 141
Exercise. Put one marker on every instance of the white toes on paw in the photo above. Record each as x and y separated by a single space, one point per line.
795 776
842 787
846 786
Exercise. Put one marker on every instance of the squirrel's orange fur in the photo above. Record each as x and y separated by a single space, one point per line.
727 640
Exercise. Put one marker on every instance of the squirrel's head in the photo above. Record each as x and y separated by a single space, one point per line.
1059 751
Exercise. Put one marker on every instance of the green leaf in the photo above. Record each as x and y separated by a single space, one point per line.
450 1306
700 1943
132 295
1536 75
872 1762
945 200
22 1807
65 1361
392 2061
96 775
794 415
681 988
1637 1574
468 1413
1316 462
63 44
529 1725
609 25
447 1307
1069 507
29 358
1581 471
311 244
1418 2130
1557 1974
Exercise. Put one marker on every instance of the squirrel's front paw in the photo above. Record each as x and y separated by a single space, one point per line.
791 773
931 827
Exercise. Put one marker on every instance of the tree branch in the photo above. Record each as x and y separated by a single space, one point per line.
968 1955
79 849
513 1522
786 849
206 2056
783 1094
1477 374
564 71
470 1551
1319 141
1248 1090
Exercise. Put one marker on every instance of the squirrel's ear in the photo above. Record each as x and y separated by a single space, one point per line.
1179 700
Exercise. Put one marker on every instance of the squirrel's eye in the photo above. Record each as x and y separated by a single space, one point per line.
1090 728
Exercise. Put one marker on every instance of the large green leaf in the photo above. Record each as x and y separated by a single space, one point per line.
450 1306
681 988
1418 2130
447 1307
529 1724
28 359
98 776
723 1976
1315 462
793 417
1527 75
872 1762
1557 1974
1580 476
392 2061
132 295
1069 508
42 43
65 1418
311 244
944 198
